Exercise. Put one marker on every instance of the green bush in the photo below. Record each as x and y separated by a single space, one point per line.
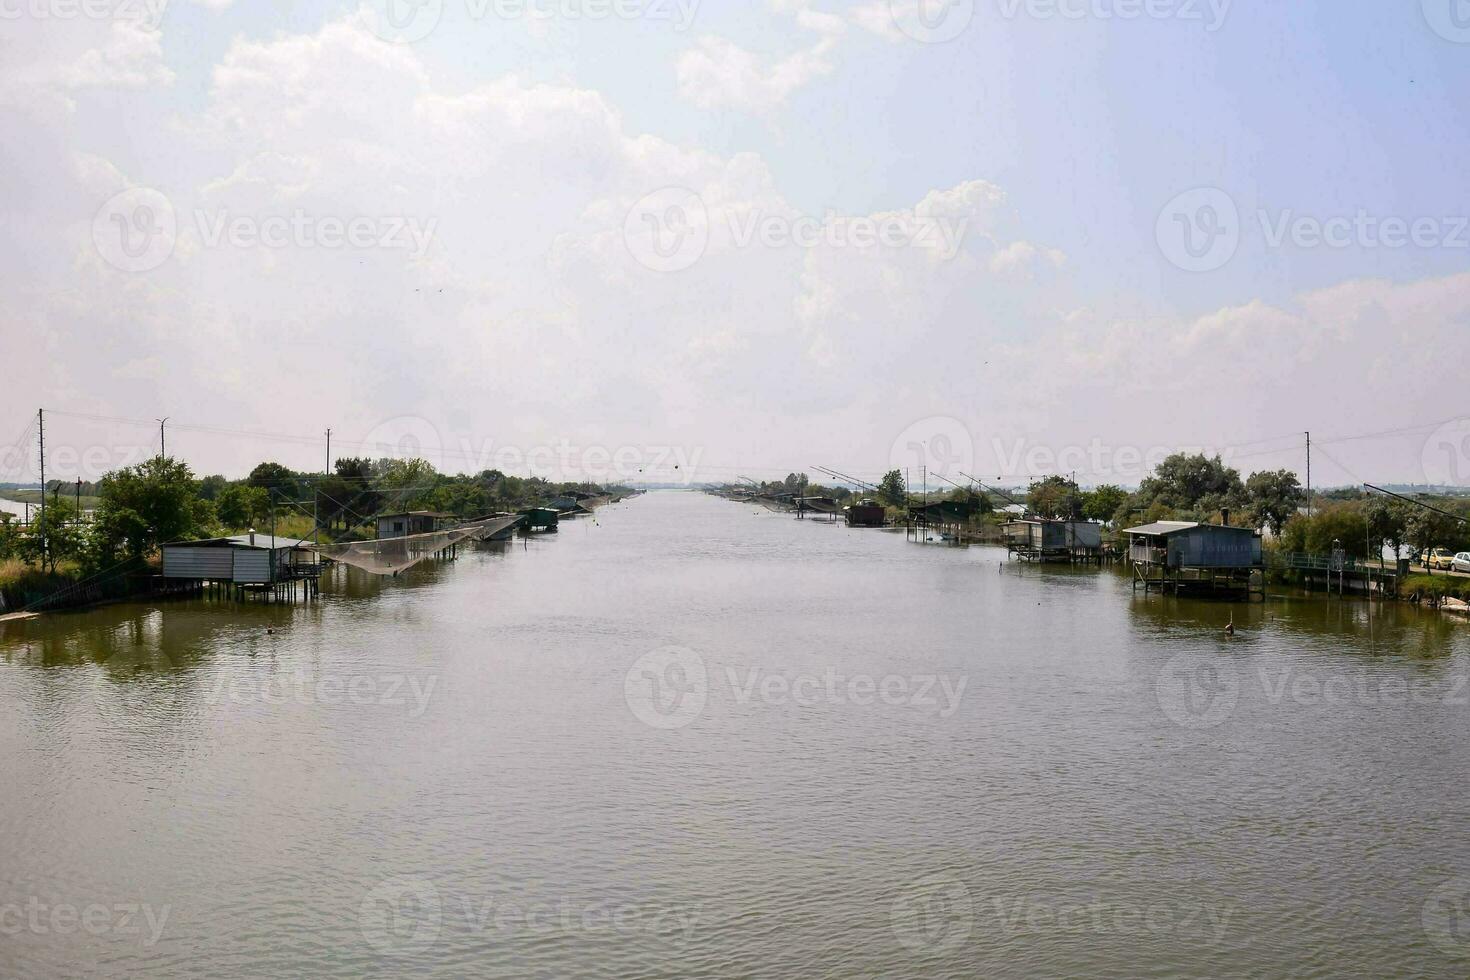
1436 587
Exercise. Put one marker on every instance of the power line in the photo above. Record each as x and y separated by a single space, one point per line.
1417 503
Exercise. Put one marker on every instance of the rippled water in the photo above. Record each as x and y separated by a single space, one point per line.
697 739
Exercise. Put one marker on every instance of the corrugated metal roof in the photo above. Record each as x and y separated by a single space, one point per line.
266 541
1161 527
262 542
1051 520
1171 527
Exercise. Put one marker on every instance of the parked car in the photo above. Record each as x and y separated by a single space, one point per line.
1437 558
1461 562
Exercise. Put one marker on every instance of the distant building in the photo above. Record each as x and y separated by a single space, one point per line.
1043 539
411 522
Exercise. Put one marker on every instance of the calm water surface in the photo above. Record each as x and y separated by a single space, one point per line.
698 739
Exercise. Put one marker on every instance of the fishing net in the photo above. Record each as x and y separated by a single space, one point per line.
389 556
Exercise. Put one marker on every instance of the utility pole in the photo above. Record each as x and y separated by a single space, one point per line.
41 425
329 453
1309 475
79 500
162 448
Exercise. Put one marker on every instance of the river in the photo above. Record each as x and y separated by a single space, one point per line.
695 738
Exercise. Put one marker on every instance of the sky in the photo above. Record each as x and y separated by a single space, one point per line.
699 240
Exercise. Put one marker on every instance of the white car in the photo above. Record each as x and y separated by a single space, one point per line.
1461 562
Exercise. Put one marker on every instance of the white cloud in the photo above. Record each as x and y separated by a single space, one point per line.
822 23
718 74
1025 259
529 319
876 17
48 64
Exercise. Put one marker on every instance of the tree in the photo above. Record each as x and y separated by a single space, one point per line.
1102 503
892 490
142 506
1192 482
9 536
58 532
210 486
836 493
1341 523
405 483
1274 498
240 505
461 497
1055 496
274 476
1427 529
1387 522
354 499
976 502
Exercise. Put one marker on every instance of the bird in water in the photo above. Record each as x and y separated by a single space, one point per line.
1230 626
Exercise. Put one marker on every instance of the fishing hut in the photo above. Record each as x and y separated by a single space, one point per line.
1187 557
245 564
820 506
1053 540
540 518
498 526
412 522
865 513
779 502
949 517
576 503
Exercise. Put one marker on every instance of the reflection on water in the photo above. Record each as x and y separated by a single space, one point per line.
696 738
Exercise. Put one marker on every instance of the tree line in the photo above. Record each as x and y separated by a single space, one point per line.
159 500
1196 487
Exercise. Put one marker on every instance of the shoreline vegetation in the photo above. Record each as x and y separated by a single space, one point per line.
1363 526
111 549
